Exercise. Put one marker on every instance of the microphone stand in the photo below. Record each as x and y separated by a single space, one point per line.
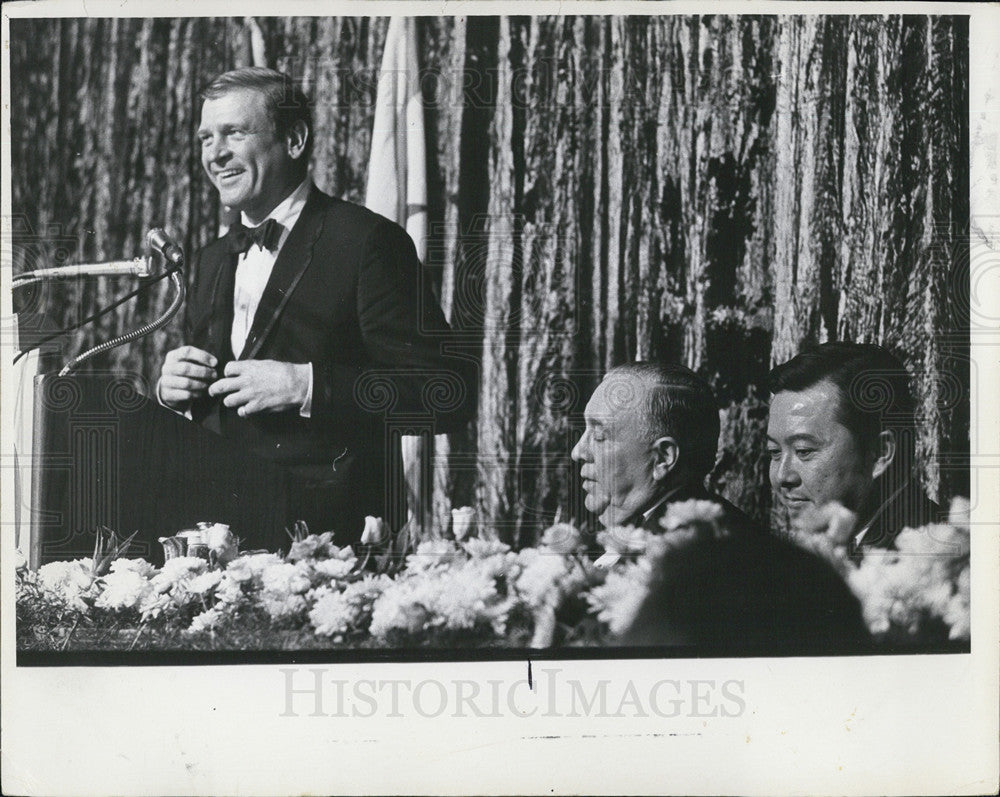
139 267
135 334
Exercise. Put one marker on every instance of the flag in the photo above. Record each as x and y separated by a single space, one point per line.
397 189
397 170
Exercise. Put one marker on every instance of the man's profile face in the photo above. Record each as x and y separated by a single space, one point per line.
247 162
615 453
815 459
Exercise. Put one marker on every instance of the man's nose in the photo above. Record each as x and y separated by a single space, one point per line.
578 454
218 150
787 474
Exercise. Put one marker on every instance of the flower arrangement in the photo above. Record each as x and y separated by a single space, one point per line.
462 588
917 591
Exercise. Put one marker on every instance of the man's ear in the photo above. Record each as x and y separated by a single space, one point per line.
296 138
666 452
885 453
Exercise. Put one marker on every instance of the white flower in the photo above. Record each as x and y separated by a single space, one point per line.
375 532
282 605
205 621
332 614
454 598
617 601
832 520
285 578
337 612
284 587
334 568
222 542
154 604
245 568
958 513
319 546
431 553
826 546
702 518
625 540
483 549
123 589
957 613
461 521
140 566
541 577
562 537
183 567
68 582
206 582
936 540
177 571
902 588
230 590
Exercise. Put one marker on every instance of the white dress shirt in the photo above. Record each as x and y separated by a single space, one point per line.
253 270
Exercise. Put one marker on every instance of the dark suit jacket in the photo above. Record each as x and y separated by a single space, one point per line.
347 295
735 518
906 507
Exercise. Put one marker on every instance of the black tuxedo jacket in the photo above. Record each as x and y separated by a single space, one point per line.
346 295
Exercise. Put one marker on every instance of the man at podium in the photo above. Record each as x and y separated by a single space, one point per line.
309 329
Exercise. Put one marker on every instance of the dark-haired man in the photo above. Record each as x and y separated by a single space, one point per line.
841 430
652 430
309 318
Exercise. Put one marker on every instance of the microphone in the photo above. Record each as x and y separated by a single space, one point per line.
158 239
117 268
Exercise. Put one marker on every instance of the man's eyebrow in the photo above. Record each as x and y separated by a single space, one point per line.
795 438
798 436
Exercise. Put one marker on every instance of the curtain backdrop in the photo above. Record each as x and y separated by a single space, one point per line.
715 190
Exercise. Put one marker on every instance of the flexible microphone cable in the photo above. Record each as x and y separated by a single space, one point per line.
147 284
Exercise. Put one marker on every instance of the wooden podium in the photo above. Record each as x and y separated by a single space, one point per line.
104 454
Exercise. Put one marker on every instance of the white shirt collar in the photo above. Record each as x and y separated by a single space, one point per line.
649 512
287 211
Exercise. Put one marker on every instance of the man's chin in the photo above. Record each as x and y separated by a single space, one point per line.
613 516
797 509
596 505
232 200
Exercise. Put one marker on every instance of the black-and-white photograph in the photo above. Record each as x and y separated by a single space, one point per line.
597 336
479 333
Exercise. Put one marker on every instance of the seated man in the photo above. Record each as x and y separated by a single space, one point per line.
652 430
841 430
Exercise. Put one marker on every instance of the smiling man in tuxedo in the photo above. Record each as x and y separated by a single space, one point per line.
310 319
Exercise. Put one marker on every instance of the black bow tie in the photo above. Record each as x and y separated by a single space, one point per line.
266 236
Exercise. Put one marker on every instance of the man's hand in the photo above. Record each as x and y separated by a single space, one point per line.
186 374
263 386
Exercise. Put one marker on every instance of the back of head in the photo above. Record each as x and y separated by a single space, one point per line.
749 595
286 103
679 404
873 384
